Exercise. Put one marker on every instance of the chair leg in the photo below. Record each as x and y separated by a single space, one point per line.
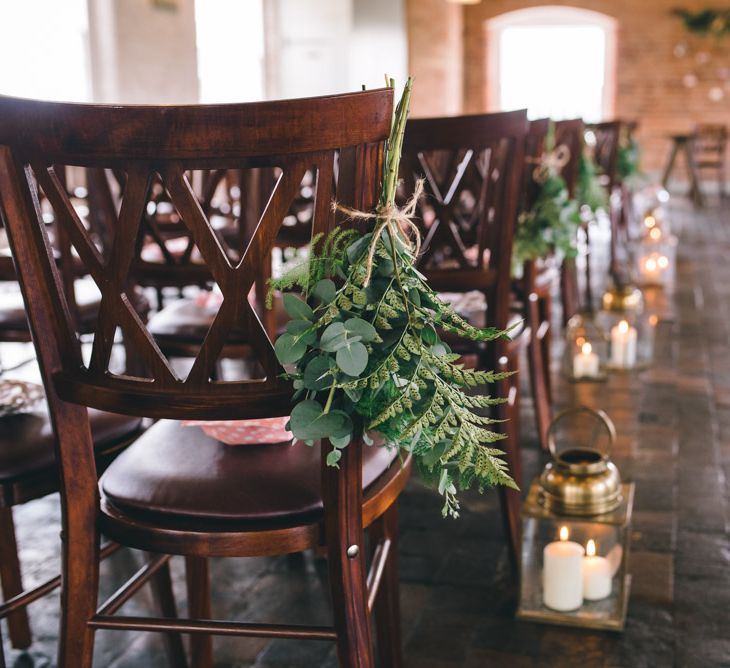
11 580
162 591
569 289
387 604
79 591
511 500
546 338
198 581
346 559
538 380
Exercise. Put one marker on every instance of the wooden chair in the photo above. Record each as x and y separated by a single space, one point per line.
473 166
709 148
176 491
569 133
533 293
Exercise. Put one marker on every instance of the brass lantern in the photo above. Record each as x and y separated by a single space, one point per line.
576 529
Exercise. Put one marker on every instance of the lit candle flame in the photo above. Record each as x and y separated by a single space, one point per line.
653 320
655 233
650 221
564 533
623 326
586 348
591 548
663 261
650 264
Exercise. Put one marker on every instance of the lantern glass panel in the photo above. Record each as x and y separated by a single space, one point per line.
610 533
586 349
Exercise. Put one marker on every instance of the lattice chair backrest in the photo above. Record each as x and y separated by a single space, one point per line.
605 151
149 145
473 168
569 133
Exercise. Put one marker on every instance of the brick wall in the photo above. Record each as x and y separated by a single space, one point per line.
649 77
435 57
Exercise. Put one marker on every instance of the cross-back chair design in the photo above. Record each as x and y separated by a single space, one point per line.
473 169
229 501
570 133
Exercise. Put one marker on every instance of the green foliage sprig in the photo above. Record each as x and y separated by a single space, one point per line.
369 358
550 226
714 22
590 192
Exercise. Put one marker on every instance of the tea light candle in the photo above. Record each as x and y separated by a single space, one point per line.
623 345
562 575
597 574
650 270
586 363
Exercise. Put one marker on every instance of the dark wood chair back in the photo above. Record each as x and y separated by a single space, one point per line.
149 143
535 145
569 133
473 170
605 151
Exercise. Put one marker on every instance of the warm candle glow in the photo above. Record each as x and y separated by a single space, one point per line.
586 348
580 341
591 548
653 320
623 326
650 264
663 261
650 221
655 233
564 533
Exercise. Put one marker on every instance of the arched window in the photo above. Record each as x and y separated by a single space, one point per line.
555 61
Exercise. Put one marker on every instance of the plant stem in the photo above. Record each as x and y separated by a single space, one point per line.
331 396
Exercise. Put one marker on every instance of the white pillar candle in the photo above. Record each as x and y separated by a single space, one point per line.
562 577
586 363
623 345
597 575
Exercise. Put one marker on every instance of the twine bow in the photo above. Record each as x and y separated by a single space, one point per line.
395 218
550 164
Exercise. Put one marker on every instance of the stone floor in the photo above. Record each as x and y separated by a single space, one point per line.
458 596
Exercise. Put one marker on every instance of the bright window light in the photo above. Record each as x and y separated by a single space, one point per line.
230 42
44 50
555 71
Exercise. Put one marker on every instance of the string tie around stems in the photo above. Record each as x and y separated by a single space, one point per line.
397 219
550 164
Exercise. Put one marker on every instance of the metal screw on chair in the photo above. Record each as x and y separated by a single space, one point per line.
353 551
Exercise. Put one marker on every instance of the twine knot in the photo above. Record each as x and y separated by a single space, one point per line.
396 219
550 164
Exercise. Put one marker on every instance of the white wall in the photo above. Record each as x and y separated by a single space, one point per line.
143 51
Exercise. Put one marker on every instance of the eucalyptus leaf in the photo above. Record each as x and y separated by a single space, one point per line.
333 338
333 457
317 375
352 358
361 328
325 291
297 308
310 422
303 330
429 335
341 442
356 249
289 348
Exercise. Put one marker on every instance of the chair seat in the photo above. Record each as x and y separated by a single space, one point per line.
178 472
27 441
184 321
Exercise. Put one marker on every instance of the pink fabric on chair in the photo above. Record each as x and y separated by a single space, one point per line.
269 431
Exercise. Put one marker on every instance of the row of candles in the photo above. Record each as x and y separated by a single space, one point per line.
572 573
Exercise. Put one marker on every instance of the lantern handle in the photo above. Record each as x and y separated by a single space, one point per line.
602 416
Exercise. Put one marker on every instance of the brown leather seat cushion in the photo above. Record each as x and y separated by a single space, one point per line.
186 322
180 472
27 441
